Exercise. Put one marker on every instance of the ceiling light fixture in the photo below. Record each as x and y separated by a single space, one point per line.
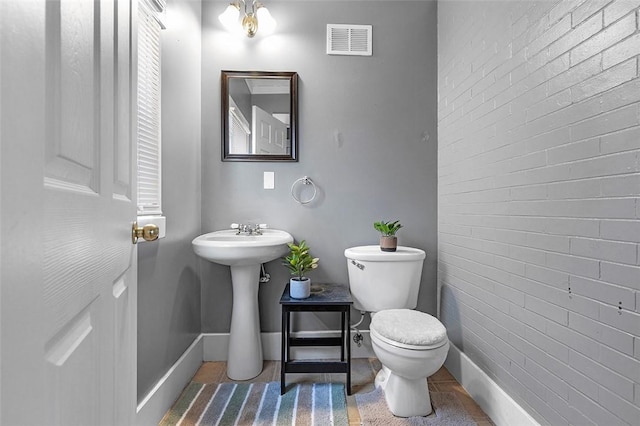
254 12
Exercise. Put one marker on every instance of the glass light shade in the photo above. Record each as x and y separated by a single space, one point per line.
229 18
265 20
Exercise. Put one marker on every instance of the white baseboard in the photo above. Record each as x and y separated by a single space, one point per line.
216 346
158 401
494 401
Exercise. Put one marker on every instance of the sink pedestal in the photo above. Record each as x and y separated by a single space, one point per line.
245 345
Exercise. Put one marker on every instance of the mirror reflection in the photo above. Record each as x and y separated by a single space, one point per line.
259 116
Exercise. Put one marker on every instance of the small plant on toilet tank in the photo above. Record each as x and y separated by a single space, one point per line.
388 239
298 262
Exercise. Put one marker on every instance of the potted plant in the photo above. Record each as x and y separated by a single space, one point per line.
388 239
298 262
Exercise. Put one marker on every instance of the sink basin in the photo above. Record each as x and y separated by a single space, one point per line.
243 253
227 248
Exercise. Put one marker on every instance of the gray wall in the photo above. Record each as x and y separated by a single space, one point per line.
272 103
168 276
367 139
239 91
539 183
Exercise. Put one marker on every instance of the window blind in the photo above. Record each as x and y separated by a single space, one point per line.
149 138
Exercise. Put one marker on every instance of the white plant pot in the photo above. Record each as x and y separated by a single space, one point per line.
300 289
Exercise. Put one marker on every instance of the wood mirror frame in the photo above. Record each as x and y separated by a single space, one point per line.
262 92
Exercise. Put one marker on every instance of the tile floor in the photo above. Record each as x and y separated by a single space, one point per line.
363 371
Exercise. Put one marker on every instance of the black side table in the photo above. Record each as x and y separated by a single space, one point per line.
324 298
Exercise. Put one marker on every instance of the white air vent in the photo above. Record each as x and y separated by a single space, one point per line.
349 39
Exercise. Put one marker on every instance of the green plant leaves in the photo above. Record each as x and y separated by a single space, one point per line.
389 228
299 260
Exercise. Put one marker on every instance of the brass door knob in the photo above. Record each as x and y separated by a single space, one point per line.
148 232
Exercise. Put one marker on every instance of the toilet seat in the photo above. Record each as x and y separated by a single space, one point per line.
408 329
375 335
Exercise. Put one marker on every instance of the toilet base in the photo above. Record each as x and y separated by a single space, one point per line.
405 397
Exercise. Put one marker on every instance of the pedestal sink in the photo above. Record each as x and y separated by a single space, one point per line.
243 253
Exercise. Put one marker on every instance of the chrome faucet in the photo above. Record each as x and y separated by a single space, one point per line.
249 228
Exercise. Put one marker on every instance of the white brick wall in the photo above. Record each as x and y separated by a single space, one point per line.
539 201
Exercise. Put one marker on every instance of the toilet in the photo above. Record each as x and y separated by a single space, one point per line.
410 345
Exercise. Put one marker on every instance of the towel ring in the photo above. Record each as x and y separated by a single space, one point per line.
305 181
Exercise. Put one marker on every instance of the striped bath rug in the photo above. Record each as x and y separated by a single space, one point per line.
259 404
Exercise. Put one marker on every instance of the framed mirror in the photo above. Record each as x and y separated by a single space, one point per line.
259 116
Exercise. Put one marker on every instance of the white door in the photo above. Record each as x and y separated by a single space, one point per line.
68 287
269 134
239 131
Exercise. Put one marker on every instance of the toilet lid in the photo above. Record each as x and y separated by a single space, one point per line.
408 327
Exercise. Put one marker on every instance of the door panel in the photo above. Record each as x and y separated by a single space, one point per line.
123 147
74 366
268 132
71 81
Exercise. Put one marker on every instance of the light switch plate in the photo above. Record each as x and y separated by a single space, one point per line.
269 180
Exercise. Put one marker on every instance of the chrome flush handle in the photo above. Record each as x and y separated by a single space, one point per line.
357 264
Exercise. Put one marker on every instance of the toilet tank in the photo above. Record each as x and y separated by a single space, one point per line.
384 280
